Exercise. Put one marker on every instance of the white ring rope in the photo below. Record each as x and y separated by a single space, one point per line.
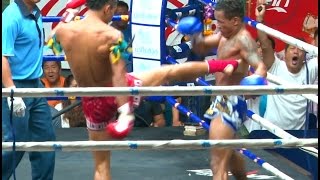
279 81
280 132
161 91
284 37
288 39
276 172
158 145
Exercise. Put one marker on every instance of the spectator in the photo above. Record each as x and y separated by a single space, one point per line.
149 114
22 49
286 111
74 117
52 77
123 9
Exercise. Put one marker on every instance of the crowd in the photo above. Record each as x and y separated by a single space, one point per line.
35 118
289 112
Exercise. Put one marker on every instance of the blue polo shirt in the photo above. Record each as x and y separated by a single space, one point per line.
22 40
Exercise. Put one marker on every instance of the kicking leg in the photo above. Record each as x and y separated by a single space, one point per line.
188 71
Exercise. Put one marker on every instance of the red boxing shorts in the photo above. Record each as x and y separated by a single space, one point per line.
99 111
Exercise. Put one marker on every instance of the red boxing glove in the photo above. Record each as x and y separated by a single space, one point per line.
73 4
123 126
72 10
69 15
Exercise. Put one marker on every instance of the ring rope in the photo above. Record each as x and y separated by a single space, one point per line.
174 103
283 37
278 131
58 18
265 164
162 90
279 81
158 144
54 58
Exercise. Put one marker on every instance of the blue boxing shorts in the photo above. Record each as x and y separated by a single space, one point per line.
233 110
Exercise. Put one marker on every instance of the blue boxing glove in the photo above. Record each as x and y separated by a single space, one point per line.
253 80
189 25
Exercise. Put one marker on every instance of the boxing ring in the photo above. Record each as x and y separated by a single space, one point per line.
178 164
181 157
241 145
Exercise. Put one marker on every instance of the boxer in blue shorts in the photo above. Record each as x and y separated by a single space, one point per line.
232 109
227 112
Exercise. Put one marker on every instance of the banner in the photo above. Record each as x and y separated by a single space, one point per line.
295 18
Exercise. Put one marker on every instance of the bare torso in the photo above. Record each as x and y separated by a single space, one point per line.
86 44
230 49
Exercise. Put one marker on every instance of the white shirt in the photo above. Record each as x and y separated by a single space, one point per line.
64 121
253 105
289 111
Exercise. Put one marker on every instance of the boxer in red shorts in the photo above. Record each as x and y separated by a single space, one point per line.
99 111
94 51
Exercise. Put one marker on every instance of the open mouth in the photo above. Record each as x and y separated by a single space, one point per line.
51 77
295 60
